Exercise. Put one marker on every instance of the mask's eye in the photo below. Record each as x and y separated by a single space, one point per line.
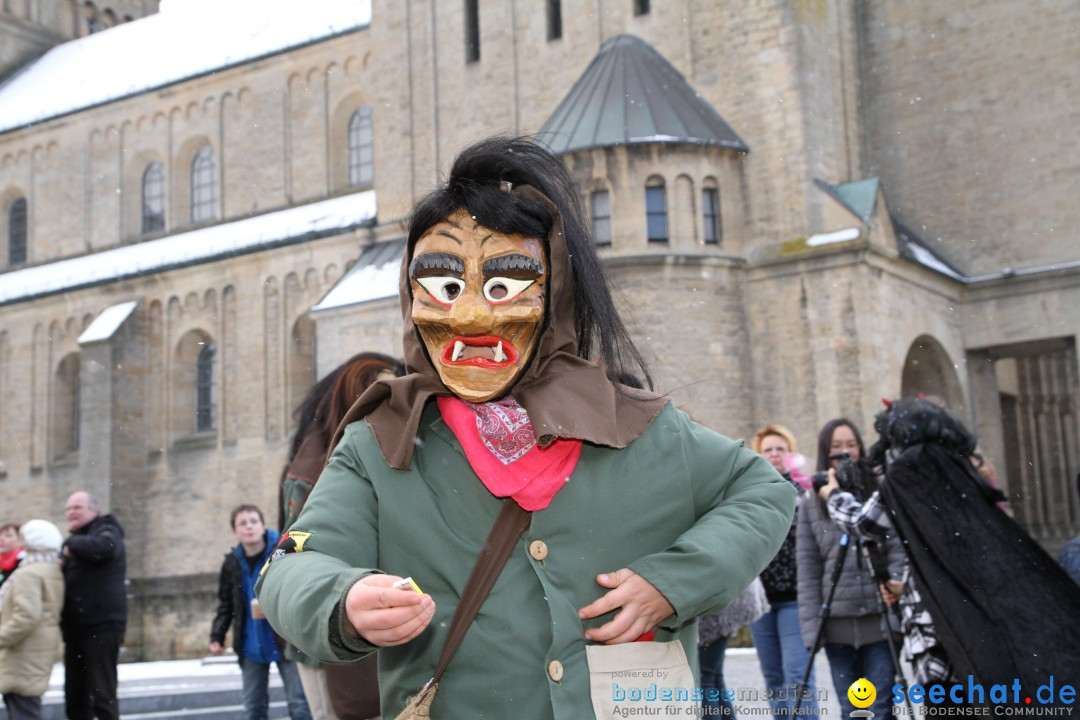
443 290
504 289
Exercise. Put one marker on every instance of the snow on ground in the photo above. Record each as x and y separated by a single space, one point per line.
164 676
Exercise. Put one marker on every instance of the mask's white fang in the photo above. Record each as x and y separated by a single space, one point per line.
500 356
459 347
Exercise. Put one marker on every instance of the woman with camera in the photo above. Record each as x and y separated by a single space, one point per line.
852 631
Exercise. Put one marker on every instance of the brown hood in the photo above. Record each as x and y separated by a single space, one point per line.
565 396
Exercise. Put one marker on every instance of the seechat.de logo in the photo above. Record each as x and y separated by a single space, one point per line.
999 700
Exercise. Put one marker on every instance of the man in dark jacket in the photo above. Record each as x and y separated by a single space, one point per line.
95 608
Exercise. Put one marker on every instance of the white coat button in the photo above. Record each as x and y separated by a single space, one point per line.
555 670
538 549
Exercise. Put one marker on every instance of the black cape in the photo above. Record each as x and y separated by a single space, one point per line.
1002 607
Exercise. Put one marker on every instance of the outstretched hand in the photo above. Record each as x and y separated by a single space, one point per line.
384 615
642 608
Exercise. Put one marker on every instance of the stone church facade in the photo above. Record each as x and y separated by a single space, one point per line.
890 210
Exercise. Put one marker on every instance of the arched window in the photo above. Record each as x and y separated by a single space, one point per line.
203 185
194 410
65 407
710 214
205 390
17 232
153 198
600 208
656 214
361 148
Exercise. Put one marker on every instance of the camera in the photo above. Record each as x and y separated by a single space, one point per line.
848 474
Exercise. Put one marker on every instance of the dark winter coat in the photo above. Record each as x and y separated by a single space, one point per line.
95 589
780 576
818 548
233 606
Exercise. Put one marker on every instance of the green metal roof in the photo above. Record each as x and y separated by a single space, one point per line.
631 94
857 196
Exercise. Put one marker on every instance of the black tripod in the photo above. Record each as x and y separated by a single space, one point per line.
881 575
823 616
826 609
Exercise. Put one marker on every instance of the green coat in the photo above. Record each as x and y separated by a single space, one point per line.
694 513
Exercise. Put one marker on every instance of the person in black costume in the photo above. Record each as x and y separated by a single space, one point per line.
1002 608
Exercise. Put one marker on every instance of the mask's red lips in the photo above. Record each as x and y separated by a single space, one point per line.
502 352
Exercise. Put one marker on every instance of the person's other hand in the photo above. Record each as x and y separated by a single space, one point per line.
828 488
642 607
384 615
890 591
216 648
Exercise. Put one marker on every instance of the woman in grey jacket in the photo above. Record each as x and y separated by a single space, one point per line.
854 639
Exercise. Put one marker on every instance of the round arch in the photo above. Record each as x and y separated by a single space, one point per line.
928 370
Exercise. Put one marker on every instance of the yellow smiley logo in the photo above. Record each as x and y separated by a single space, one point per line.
862 693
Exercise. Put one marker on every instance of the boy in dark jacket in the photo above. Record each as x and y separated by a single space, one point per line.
254 641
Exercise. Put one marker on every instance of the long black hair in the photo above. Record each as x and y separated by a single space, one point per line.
477 183
824 441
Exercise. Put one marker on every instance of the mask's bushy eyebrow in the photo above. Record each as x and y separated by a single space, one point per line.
437 261
512 263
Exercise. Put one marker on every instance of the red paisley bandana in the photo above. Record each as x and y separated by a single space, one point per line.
504 428
501 448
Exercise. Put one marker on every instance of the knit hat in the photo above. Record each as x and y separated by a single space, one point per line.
41 535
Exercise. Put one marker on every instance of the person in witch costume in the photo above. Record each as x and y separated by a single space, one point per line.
642 520
981 597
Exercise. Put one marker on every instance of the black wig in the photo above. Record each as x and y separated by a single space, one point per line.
914 421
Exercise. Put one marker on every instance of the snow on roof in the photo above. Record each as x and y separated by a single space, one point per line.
927 259
833 237
107 322
261 232
373 277
185 39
